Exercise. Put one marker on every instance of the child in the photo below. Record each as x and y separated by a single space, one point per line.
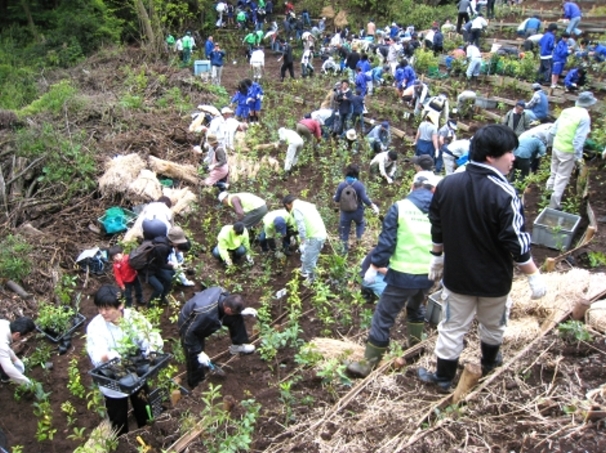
180 245
126 276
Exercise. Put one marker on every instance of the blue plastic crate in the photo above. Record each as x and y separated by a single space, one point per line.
201 66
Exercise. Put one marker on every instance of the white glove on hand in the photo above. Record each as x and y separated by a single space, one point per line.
228 263
111 355
436 267
250 259
249 311
389 180
203 359
437 153
374 208
370 275
537 285
19 365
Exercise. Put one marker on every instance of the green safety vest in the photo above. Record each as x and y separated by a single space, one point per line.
170 40
187 42
411 255
268 222
229 240
241 17
248 201
261 4
314 225
250 38
568 122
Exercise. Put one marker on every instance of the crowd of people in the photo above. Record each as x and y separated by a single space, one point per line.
460 182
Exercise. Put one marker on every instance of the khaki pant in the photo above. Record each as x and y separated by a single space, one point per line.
304 132
458 312
562 165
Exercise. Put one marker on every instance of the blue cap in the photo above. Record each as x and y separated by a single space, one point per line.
385 124
280 225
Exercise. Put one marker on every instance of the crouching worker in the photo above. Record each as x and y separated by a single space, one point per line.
277 223
11 368
234 243
403 245
106 333
202 316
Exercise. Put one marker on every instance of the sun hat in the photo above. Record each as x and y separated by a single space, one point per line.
351 134
225 110
586 99
176 235
212 139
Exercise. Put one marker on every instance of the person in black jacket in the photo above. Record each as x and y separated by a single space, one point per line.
288 61
203 315
159 272
343 98
477 235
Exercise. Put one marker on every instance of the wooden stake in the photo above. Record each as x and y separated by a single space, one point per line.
472 373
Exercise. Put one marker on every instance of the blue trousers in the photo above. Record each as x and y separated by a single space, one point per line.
345 225
424 147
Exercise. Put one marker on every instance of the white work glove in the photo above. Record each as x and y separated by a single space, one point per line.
574 85
228 263
197 149
211 167
249 311
19 365
389 180
111 355
436 267
250 100
537 285
374 208
250 259
370 275
203 359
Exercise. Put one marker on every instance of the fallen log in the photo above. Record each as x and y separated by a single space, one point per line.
18 289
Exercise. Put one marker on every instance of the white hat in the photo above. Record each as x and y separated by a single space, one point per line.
222 196
351 134
225 110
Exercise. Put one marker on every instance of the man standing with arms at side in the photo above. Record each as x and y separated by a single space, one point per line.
288 61
477 233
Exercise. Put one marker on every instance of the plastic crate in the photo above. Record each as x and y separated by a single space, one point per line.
555 229
119 225
485 103
434 308
77 322
102 375
156 398
201 66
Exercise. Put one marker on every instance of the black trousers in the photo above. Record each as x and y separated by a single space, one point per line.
460 18
545 70
117 410
283 69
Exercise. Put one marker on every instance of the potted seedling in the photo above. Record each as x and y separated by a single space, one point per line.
59 322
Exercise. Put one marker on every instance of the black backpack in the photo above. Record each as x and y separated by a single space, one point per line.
349 199
141 257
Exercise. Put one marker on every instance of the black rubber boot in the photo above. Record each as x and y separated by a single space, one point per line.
491 357
444 375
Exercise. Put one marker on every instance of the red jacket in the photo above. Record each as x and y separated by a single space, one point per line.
123 272
313 126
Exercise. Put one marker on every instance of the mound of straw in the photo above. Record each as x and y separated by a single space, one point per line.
182 199
595 317
521 331
341 19
146 187
337 349
120 172
242 167
328 12
186 173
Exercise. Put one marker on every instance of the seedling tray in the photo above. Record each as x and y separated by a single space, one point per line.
56 338
109 374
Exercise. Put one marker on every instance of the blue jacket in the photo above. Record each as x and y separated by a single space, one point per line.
209 46
364 64
388 240
560 53
541 110
216 57
239 99
547 44
530 148
600 49
409 76
393 31
361 81
255 91
376 74
571 77
438 39
571 10
357 104
533 22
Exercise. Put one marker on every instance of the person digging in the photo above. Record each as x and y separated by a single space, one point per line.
403 245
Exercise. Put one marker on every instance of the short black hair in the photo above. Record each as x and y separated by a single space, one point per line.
164 199
239 228
23 325
494 140
114 250
352 170
392 155
288 199
108 296
235 302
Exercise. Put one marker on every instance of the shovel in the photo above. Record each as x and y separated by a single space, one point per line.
216 370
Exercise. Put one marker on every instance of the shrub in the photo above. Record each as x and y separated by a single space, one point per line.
15 262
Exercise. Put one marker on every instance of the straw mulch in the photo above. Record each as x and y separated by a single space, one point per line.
331 348
187 173
145 188
120 172
242 167
596 316
341 19
328 12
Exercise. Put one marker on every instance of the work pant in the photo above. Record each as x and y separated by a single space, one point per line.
562 165
490 9
283 69
236 254
128 291
474 67
458 311
253 217
345 225
292 155
268 244
572 26
117 410
307 70
358 118
391 303
161 280
304 132
460 18
341 123
309 257
257 70
474 37
521 169
545 70
424 147
449 163
215 74
438 162
186 56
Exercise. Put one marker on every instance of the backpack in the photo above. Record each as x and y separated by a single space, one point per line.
140 257
349 199
437 104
